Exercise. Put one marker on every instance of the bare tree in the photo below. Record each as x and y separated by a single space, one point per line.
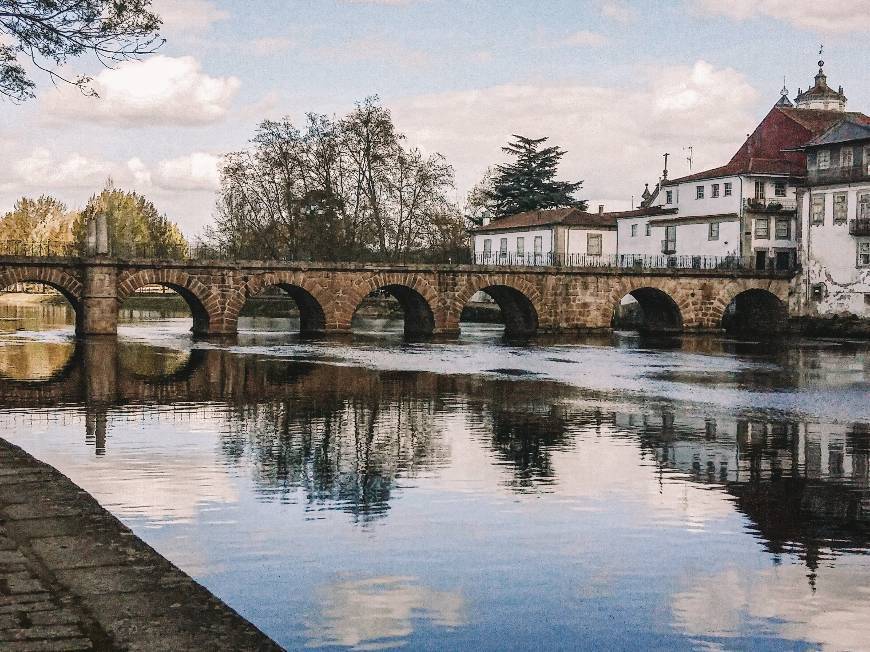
50 32
338 187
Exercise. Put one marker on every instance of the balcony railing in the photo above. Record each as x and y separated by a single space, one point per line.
669 247
860 226
837 174
772 205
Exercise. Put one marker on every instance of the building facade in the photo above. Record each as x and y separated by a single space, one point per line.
834 209
561 236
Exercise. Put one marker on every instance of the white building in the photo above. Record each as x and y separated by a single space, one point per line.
834 210
747 208
560 236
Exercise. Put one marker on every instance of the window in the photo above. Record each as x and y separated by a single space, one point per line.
502 247
487 248
864 205
846 157
783 228
714 190
864 254
713 231
818 209
762 228
866 159
669 196
823 159
779 189
633 230
521 247
539 247
593 244
699 192
728 187
759 189
841 207
648 228
670 242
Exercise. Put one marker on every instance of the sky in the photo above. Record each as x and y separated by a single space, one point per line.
615 83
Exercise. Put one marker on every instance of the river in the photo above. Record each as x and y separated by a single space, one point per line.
367 493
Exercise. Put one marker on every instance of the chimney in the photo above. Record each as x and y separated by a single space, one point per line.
600 209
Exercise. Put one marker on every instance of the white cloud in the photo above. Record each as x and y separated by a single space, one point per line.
614 137
619 11
377 48
584 38
829 16
157 91
188 15
197 171
42 170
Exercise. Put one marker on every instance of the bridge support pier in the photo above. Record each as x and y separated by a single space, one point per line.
99 304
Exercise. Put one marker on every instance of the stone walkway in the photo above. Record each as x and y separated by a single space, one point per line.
73 577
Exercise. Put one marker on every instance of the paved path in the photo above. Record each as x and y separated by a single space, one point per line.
73 577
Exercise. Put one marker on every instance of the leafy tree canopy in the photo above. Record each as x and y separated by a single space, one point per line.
135 225
37 220
48 33
529 183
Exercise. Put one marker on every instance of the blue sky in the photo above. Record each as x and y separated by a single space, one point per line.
614 82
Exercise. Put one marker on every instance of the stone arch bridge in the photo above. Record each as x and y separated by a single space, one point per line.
532 299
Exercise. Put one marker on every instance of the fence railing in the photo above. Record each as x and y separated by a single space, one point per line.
769 205
458 257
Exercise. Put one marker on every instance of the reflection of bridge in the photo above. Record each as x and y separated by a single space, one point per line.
545 299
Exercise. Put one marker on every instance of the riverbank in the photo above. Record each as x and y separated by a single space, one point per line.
73 577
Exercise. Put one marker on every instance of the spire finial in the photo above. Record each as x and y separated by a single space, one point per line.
784 91
821 56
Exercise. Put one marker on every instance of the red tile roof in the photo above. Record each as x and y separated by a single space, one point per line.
782 129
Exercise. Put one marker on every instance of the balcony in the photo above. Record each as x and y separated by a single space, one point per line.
669 247
838 174
861 226
772 205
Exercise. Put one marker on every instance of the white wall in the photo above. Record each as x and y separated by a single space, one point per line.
692 239
546 236
576 239
830 255
684 197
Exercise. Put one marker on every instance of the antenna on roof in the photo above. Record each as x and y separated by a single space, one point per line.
691 157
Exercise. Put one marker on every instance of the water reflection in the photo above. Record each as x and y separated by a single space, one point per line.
383 508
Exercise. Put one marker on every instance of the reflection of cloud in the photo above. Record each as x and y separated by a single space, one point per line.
836 615
373 613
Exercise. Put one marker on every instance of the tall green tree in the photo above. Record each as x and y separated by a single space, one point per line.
47 33
529 183
135 225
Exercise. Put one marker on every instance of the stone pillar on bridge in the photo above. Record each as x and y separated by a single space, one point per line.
99 298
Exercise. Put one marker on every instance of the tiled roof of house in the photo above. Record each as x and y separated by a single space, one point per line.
772 147
566 217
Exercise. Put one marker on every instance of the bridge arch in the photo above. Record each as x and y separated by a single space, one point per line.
418 299
747 309
203 301
62 281
662 311
519 301
311 298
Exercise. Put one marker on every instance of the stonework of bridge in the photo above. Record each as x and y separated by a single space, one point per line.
532 299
